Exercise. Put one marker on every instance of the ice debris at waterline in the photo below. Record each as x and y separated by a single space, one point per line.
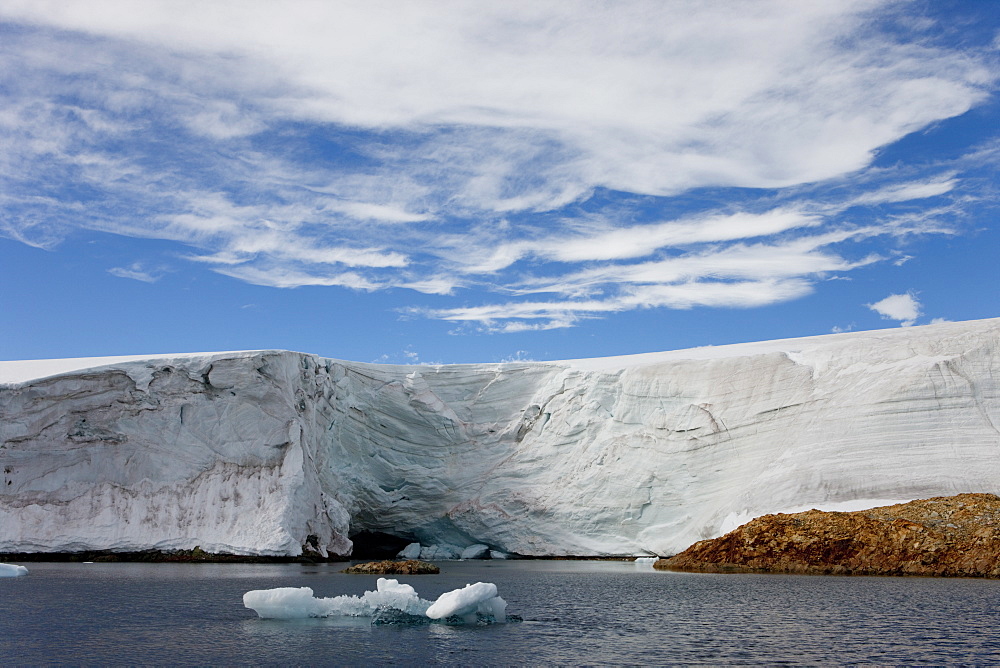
448 552
12 571
390 603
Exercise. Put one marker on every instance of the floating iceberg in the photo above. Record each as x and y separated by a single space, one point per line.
392 603
285 603
299 602
469 602
12 571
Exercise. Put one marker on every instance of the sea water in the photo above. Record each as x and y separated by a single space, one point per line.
574 613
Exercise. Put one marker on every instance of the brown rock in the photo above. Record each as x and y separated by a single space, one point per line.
409 567
944 536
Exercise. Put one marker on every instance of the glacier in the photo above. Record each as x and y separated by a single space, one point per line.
265 452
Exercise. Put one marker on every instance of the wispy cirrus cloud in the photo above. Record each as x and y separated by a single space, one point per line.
738 275
908 191
541 315
603 241
512 150
137 271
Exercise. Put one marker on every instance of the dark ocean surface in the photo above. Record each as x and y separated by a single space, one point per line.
574 613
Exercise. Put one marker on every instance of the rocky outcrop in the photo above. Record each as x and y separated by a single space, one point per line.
943 536
408 567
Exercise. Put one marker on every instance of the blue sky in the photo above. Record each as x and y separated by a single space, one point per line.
463 181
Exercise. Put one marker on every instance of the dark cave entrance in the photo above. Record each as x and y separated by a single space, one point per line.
377 545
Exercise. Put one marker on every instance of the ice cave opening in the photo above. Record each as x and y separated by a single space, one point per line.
378 545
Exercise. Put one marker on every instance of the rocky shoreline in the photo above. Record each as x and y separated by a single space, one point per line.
956 536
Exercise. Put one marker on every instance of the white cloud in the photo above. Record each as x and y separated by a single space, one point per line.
529 316
281 277
518 356
902 307
449 145
406 356
378 212
137 272
793 259
905 192
606 242
652 97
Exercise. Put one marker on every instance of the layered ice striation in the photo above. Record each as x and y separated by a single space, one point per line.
263 452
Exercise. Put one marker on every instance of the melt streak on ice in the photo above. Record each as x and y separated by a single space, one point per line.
253 452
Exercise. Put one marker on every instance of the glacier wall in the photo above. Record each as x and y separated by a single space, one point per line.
252 452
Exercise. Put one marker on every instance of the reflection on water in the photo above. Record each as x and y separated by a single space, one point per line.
574 612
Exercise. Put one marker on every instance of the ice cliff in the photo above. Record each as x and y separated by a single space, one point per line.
254 452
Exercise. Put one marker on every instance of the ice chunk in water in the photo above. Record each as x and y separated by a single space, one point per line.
478 551
391 604
395 595
283 603
12 571
476 598
299 602
411 551
438 552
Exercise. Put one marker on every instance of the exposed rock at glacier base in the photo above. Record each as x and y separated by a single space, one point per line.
262 452
942 536
391 567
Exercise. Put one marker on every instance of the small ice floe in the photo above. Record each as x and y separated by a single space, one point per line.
477 551
299 602
12 571
645 562
411 551
470 603
391 604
